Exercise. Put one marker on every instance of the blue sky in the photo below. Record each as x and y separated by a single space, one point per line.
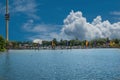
44 19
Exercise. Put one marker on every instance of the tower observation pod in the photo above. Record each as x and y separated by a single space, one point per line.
7 17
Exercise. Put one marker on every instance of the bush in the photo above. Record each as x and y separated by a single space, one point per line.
2 44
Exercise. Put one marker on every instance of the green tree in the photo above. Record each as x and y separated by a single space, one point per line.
61 43
2 44
55 41
46 43
116 41
77 42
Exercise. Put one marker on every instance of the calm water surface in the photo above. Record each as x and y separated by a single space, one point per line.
76 64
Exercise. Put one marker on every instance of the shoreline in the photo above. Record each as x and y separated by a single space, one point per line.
63 49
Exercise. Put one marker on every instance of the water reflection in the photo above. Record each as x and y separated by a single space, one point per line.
7 65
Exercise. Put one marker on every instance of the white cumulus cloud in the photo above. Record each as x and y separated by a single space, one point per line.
76 26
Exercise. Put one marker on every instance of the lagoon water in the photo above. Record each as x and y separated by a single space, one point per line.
74 64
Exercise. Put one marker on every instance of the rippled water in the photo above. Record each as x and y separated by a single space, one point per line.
76 64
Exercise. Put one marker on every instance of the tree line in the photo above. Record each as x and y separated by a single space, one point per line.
101 42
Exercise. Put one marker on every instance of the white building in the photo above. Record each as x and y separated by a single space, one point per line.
39 41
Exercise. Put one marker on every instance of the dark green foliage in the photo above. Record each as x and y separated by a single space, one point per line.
55 41
116 41
101 42
2 44
46 43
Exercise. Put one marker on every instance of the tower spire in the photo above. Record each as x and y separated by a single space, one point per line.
7 21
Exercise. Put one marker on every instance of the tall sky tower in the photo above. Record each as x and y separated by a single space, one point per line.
7 16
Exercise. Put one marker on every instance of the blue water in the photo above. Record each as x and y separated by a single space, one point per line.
75 64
